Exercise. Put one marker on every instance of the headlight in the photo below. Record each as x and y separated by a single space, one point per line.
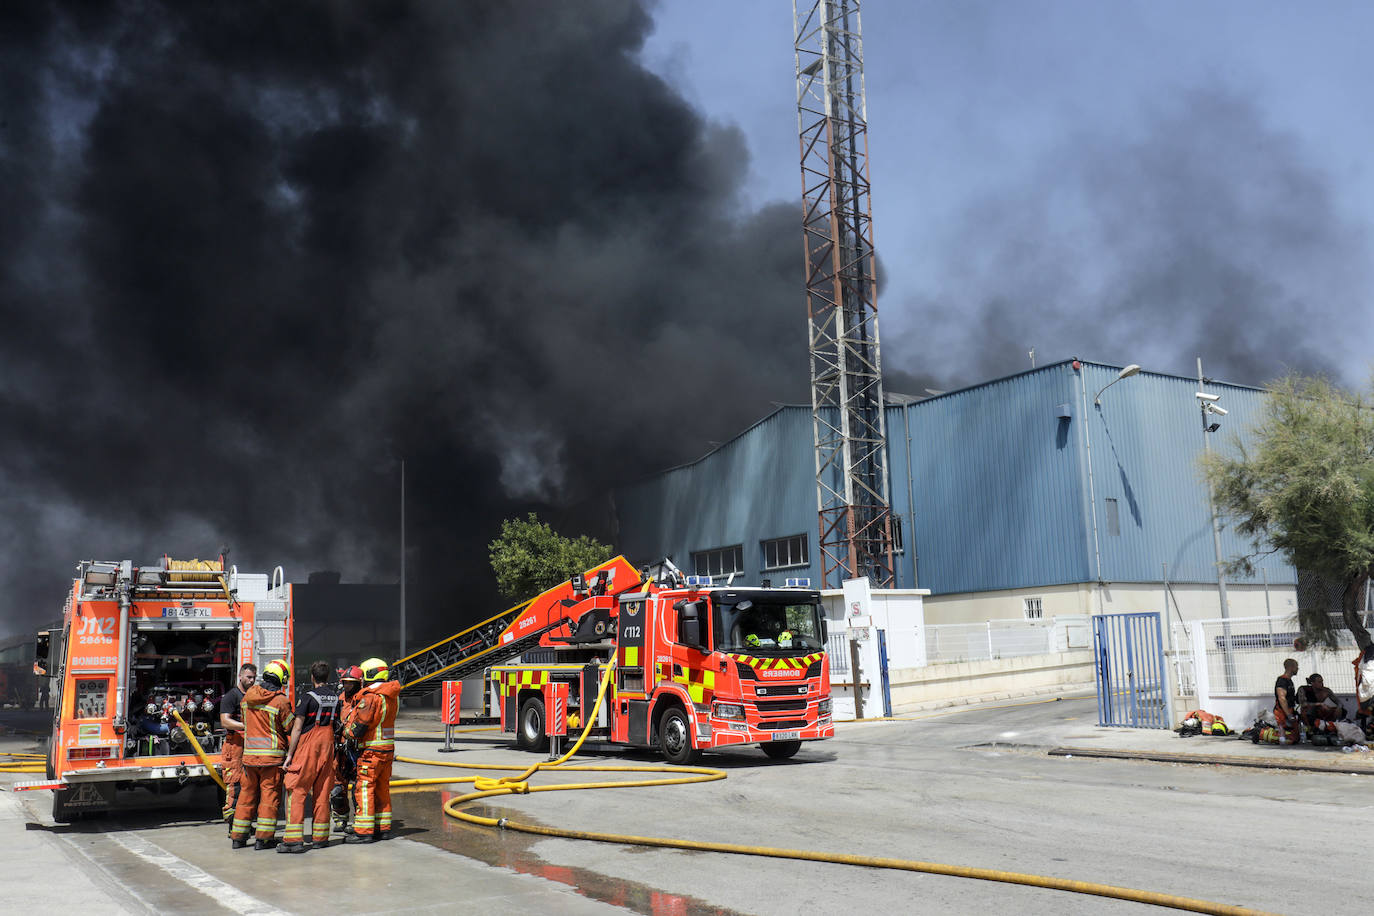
727 710
823 707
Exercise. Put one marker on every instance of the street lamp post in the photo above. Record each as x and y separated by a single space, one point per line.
403 559
1129 371
1207 404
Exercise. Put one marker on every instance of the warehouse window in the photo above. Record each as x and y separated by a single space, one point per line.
1033 608
785 552
719 561
898 541
1113 518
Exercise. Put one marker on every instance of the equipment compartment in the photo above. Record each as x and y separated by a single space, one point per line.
182 668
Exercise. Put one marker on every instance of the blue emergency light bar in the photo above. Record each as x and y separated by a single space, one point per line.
798 583
699 580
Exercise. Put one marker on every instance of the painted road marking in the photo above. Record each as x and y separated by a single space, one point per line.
226 895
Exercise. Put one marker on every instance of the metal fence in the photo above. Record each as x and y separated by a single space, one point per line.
837 645
1243 656
948 643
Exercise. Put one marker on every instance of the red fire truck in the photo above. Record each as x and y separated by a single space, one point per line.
698 666
137 644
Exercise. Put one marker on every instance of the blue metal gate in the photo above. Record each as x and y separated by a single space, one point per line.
1131 686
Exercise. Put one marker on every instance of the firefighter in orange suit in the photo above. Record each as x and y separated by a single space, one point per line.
345 749
374 729
309 763
231 753
266 732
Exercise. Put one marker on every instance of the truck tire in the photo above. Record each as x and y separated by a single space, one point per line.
781 750
59 807
675 738
529 727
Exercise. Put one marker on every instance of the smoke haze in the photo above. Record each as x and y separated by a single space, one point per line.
1205 231
252 255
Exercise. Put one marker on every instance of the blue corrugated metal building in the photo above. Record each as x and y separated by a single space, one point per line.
1018 486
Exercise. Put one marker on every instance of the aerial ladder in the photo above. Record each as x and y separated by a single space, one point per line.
521 628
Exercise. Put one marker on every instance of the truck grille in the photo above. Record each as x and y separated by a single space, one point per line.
767 706
783 724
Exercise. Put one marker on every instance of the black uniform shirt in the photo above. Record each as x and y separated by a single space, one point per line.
231 704
318 707
1285 684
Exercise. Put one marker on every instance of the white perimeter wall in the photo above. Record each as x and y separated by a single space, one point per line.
1187 602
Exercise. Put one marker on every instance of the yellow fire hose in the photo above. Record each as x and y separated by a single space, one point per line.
200 751
23 763
519 785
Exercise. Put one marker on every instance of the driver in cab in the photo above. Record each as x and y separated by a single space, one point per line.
766 629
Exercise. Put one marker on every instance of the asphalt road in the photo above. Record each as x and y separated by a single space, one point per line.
972 788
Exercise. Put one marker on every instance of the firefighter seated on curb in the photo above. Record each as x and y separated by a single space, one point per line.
309 763
1319 708
266 730
374 729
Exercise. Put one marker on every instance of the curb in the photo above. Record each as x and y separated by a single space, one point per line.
1259 763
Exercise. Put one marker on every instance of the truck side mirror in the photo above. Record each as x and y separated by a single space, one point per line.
825 632
689 624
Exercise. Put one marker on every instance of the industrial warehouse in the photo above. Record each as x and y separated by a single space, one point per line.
1025 511
1021 497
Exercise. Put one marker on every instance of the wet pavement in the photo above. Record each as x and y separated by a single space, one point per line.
1029 785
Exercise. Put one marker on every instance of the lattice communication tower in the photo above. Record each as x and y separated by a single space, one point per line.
841 294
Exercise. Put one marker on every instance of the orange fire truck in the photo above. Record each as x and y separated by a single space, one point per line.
697 666
138 646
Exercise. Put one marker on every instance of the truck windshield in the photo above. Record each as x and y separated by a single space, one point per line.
769 628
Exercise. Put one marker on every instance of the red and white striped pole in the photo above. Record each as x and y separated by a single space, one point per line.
452 701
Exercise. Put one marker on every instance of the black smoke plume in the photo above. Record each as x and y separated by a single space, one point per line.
254 254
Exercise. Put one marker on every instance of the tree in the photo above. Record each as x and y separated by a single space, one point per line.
530 557
1306 490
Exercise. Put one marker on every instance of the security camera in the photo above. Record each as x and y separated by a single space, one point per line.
1207 397
1219 411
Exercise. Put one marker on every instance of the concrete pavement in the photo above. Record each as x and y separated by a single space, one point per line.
960 766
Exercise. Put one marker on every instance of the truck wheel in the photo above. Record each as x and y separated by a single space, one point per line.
59 806
529 728
675 738
781 750
51 767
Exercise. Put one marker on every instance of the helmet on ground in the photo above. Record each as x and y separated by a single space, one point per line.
352 674
1219 728
375 671
275 673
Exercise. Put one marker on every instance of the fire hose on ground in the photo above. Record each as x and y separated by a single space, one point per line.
519 785
22 763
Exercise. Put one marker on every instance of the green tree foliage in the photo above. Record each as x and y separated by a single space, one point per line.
1306 490
530 557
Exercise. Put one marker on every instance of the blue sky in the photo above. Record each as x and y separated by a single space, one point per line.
1013 143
